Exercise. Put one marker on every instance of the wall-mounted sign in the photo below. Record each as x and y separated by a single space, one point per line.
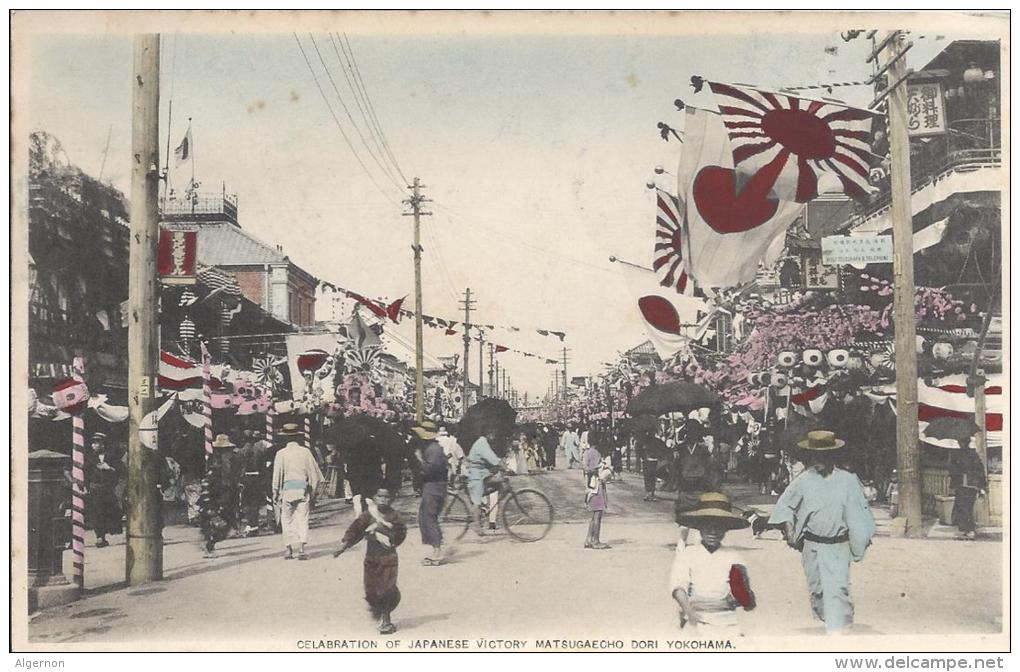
857 250
816 274
926 109
177 253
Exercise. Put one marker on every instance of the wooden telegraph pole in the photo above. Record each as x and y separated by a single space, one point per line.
419 358
890 50
481 363
468 304
144 561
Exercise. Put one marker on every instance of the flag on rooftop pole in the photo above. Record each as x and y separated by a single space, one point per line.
792 142
730 227
184 150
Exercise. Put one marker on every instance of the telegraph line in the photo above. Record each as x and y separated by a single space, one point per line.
340 127
352 85
371 107
350 117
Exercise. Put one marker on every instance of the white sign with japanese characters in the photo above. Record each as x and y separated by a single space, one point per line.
926 109
856 250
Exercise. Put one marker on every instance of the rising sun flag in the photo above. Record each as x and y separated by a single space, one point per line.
792 142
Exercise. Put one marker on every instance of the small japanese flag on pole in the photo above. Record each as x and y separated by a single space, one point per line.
183 151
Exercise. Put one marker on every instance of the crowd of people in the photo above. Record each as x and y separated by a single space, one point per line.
252 484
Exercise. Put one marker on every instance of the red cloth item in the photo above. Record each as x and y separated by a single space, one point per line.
394 309
501 348
740 587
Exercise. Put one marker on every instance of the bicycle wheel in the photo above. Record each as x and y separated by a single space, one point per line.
455 518
527 514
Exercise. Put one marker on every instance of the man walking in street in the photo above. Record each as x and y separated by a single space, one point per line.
571 445
967 478
824 514
296 475
454 454
433 491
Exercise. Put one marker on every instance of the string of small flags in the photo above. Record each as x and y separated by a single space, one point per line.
395 310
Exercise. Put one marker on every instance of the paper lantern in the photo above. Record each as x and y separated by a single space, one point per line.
71 396
787 359
839 358
813 357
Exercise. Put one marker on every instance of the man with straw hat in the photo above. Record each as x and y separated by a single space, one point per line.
433 490
824 514
296 475
708 581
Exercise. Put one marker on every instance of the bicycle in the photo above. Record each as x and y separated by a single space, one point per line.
527 514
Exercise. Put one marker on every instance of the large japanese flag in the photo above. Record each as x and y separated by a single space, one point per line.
729 230
793 142
671 319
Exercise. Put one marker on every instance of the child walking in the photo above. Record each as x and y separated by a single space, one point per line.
382 528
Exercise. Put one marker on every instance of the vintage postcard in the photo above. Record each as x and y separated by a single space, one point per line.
502 332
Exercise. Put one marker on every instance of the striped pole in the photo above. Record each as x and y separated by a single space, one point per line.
308 430
207 400
269 422
78 499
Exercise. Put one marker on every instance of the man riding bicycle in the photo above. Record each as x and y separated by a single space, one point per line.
483 468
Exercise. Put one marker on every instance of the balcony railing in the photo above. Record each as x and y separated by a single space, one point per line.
201 204
968 143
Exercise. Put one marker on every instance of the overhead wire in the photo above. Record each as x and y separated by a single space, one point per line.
347 72
371 107
340 127
329 75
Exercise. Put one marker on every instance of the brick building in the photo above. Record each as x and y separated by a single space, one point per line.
267 277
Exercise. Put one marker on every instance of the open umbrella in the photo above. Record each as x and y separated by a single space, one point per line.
679 396
953 429
488 414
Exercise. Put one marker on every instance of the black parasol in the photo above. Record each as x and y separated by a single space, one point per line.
953 429
487 415
679 396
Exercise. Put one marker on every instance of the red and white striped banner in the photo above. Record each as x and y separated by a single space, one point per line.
207 399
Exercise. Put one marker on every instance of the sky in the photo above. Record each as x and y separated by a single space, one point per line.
536 148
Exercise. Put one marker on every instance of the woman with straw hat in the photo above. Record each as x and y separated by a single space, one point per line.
824 514
708 581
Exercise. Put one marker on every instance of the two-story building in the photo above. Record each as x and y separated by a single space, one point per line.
266 275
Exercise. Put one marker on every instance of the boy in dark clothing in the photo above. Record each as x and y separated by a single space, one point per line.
651 449
383 529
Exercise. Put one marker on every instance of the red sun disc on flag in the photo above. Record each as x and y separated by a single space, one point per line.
660 313
794 140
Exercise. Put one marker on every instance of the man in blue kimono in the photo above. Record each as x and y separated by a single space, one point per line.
824 514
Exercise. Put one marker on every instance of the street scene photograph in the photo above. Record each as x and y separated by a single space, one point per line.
510 331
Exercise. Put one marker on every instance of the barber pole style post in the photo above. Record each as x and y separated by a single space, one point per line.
207 400
78 499
308 430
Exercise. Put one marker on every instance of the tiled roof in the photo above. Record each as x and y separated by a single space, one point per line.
223 244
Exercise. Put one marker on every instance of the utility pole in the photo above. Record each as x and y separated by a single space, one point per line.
419 356
565 388
495 391
492 369
891 52
144 538
468 304
481 363
504 383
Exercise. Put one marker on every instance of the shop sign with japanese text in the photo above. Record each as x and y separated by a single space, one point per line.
856 250
926 109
